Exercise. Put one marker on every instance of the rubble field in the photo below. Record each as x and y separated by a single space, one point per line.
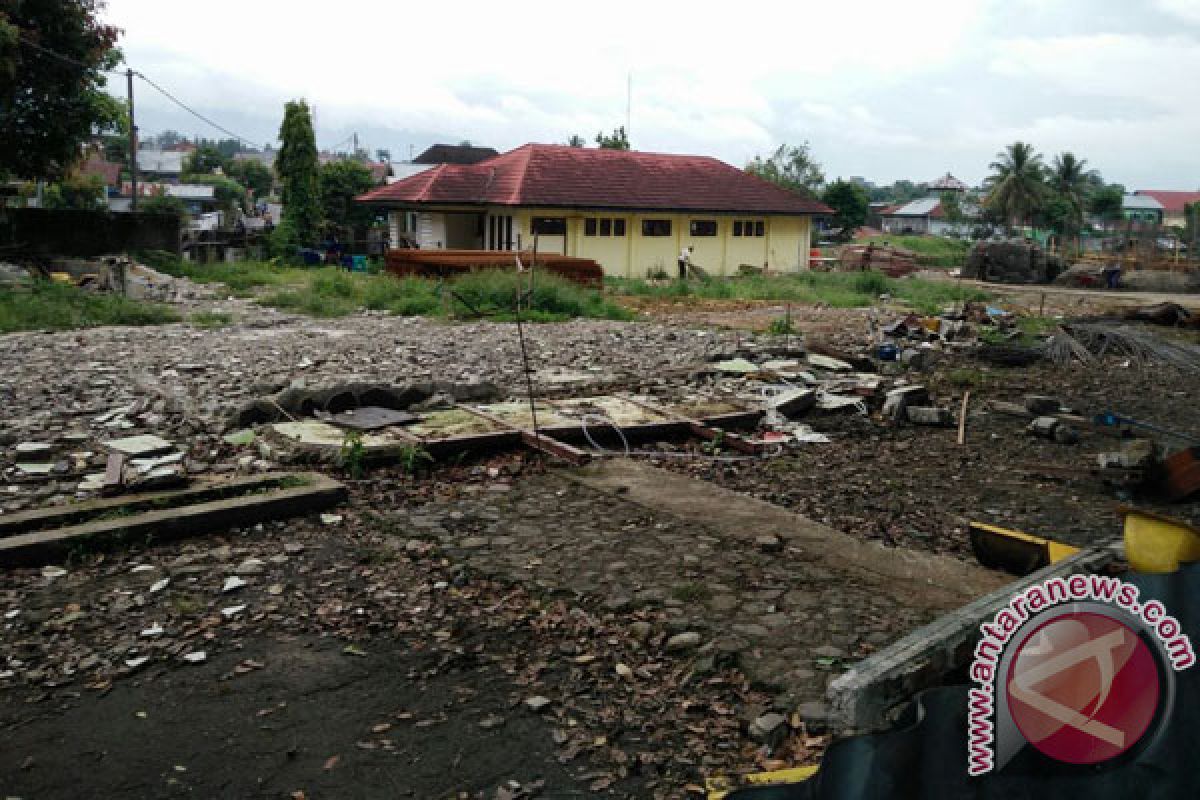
496 625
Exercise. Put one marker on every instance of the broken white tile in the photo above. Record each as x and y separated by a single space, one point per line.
197 657
232 611
331 519
134 663
142 568
153 630
12 614
232 583
159 585
52 572
35 469
28 448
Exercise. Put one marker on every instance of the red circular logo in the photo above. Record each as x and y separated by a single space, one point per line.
1083 688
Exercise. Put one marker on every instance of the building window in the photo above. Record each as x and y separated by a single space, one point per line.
606 227
749 227
618 227
549 226
656 227
703 227
589 226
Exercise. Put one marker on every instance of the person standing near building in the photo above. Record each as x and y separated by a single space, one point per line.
685 261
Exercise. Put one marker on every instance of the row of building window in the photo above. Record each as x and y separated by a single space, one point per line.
605 226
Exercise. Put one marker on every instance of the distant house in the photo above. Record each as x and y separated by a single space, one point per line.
928 214
924 215
98 166
198 198
1142 208
632 212
1174 204
455 154
948 183
161 165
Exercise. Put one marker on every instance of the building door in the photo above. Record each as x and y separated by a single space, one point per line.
705 235
500 232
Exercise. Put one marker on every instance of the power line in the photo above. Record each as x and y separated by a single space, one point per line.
76 62
193 112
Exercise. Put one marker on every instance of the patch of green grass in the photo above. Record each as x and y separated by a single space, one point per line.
965 378
490 293
694 592
210 319
836 289
781 326
42 305
1037 326
932 251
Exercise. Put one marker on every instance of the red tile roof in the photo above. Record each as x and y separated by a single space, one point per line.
574 177
1171 201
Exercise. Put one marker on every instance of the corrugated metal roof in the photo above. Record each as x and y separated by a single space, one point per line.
165 161
926 757
921 207
1172 202
575 177
1138 202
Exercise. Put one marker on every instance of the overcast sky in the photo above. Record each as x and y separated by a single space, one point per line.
884 90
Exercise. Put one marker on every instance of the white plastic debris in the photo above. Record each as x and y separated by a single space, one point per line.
158 586
153 630
232 583
12 614
331 519
134 663
198 657
142 568
52 572
232 611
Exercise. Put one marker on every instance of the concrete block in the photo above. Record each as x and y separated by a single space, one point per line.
930 415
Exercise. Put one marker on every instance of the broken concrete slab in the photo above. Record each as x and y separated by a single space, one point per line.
868 695
929 415
370 418
794 402
44 544
140 446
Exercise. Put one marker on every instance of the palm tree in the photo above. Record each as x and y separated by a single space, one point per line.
1015 187
1070 178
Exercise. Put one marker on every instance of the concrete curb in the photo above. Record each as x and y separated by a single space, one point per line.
863 698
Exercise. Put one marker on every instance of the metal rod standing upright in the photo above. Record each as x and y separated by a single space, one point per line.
133 183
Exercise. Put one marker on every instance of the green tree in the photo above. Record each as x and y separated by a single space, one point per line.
205 160
228 193
296 166
576 141
849 202
952 209
1071 180
617 141
53 54
254 175
78 191
164 204
1015 187
168 139
1107 203
340 182
792 168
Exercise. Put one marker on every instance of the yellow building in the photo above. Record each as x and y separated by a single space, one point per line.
634 213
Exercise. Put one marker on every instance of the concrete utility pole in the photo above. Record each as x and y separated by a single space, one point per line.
133 186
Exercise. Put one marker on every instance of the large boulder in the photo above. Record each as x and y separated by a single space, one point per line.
1011 261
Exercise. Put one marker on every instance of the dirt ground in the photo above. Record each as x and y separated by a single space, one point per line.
483 629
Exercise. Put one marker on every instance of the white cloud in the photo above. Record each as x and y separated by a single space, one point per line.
877 87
